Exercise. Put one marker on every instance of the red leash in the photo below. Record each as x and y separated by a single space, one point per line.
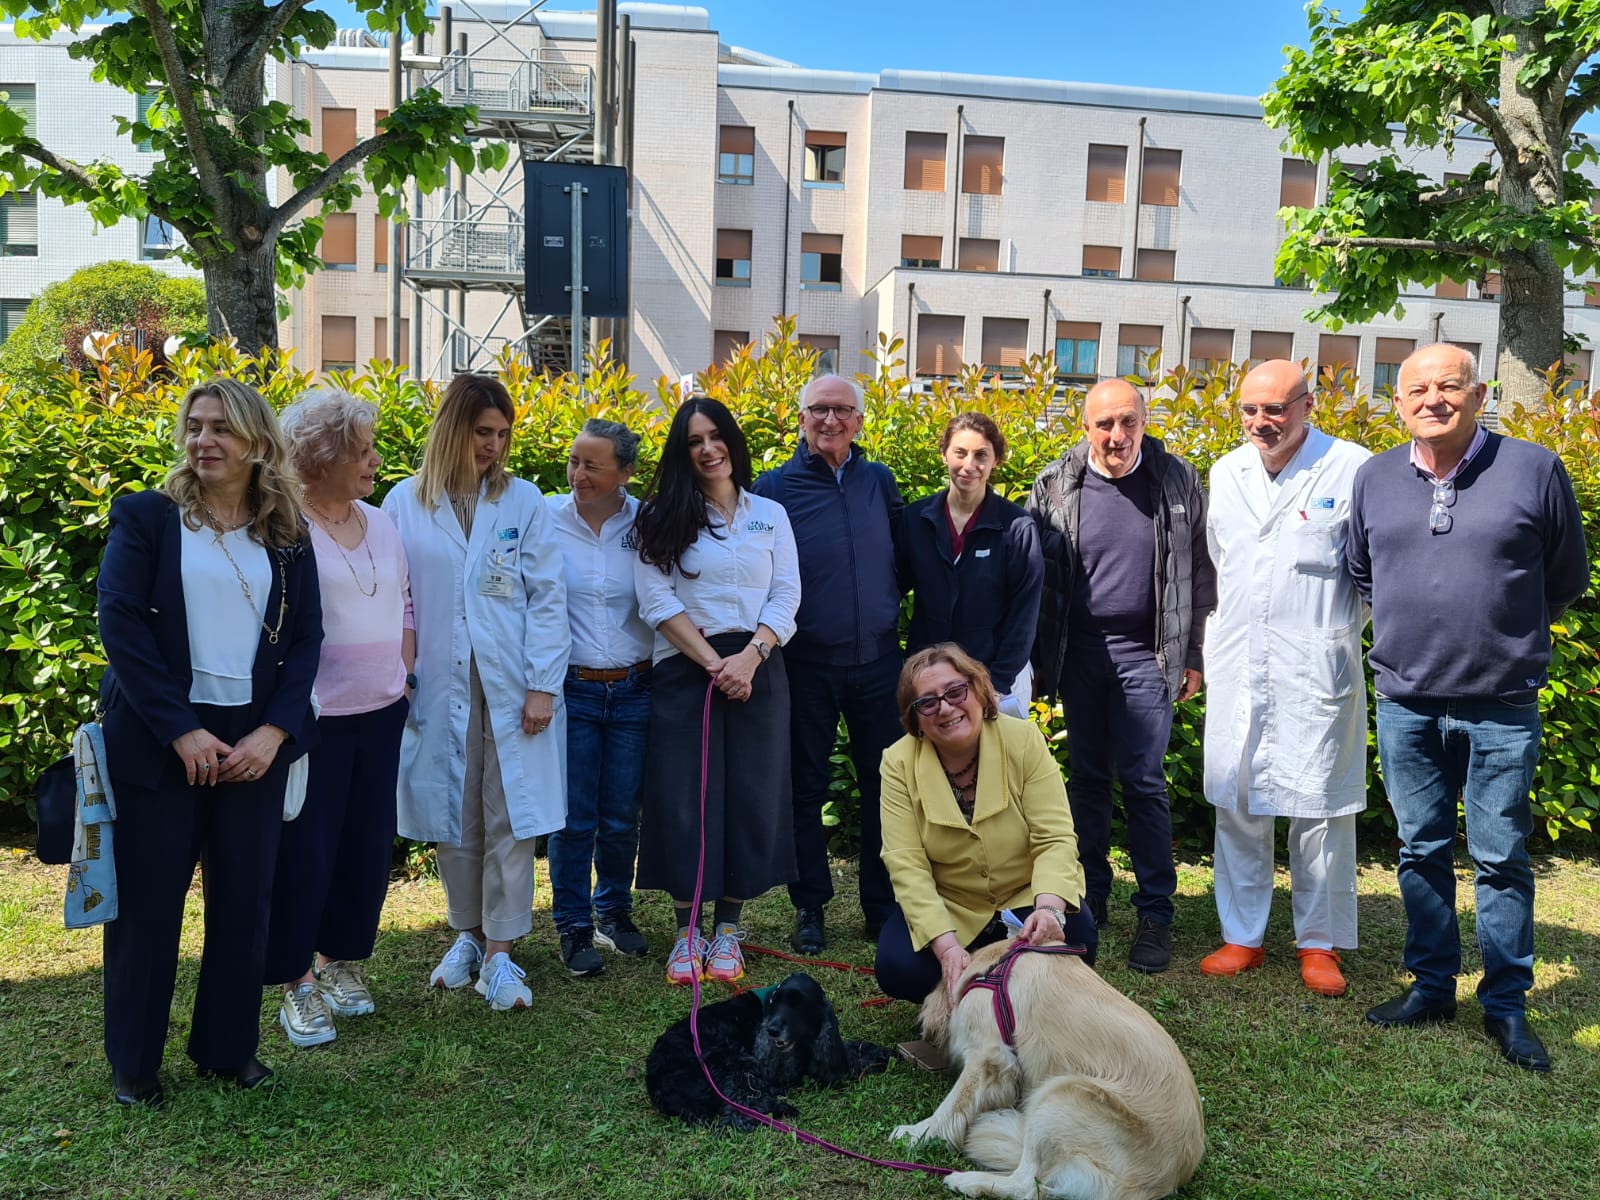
809 1139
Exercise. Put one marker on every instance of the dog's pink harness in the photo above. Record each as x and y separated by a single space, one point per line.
997 977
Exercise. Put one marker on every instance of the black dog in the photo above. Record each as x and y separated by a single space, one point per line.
758 1045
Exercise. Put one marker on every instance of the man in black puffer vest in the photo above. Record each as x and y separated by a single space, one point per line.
1128 584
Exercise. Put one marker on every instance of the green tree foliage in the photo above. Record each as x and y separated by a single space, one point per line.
1410 73
72 441
107 297
217 137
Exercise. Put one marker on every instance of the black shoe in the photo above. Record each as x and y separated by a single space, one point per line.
1152 947
809 935
1097 909
252 1075
1517 1042
1411 1007
137 1093
617 933
578 954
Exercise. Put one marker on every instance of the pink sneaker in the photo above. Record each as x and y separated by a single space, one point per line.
684 963
725 962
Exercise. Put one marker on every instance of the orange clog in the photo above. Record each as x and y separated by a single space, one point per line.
1320 971
1232 960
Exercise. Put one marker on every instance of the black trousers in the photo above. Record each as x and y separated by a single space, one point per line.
164 828
908 974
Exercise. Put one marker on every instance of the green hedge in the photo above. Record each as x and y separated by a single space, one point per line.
72 442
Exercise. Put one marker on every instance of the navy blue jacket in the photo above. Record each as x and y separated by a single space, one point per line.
988 603
144 628
844 534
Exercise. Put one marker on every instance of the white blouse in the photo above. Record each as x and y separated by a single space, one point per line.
224 627
748 576
602 606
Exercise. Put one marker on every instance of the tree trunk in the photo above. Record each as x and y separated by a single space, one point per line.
242 299
1532 299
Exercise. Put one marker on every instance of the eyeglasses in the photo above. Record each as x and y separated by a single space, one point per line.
1444 495
955 695
1272 410
839 412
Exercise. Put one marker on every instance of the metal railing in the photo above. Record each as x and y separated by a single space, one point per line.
469 245
496 85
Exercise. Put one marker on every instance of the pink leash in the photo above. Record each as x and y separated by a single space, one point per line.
809 1139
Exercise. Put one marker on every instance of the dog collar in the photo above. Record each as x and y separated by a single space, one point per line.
998 976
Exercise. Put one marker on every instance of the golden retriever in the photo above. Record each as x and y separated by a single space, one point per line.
1094 1102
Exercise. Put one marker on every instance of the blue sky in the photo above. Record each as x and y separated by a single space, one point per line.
1235 47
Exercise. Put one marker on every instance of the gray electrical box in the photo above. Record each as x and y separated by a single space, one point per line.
547 203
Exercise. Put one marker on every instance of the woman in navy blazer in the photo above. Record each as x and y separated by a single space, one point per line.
972 559
211 621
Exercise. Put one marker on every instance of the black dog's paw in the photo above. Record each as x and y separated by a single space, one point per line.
867 1059
783 1110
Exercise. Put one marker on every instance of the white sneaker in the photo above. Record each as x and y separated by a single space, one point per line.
305 1017
459 964
500 982
345 991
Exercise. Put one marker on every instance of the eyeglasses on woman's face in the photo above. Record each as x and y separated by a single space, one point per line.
955 696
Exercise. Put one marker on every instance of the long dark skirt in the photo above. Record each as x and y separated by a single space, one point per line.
749 812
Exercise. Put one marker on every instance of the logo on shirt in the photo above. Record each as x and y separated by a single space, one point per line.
757 526
629 541
1325 502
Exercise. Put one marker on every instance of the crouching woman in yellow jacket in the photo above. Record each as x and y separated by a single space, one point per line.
975 821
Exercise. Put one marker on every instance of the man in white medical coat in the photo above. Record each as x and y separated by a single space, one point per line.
1286 716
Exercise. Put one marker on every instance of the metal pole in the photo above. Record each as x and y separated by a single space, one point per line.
462 211
576 190
396 247
623 329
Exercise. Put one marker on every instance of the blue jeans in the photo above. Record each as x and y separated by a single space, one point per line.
607 727
1485 752
1119 720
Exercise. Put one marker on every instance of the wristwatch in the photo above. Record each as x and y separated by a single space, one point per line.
411 680
764 650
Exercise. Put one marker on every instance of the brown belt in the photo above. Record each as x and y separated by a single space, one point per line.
610 674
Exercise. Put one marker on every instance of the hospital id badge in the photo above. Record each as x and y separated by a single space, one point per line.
495 581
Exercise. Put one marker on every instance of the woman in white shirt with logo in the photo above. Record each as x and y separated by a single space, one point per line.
719 582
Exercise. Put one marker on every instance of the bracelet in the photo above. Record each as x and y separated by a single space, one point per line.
1060 914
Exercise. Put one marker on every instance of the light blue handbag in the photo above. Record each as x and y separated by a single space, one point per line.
92 877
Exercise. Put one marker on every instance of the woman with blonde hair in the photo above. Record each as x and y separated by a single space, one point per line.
333 865
483 757
211 620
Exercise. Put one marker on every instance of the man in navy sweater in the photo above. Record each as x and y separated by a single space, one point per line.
845 655
1468 545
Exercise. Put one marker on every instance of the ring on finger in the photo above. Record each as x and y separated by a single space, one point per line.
250 771
205 766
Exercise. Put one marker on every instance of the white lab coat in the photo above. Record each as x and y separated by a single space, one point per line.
1286 701
521 643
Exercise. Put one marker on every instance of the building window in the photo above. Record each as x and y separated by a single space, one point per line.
824 159
1266 347
1473 348
918 251
1336 352
1210 349
736 154
339 241
1108 174
1139 351
925 169
726 344
978 254
1390 353
1297 188
379 116
1077 350
827 349
1156 266
380 340
983 165
1161 171
1102 262
11 314
1579 368
1005 344
1491 286
24 98
146 101
1450 289
157 239
821 259
939 341
1591 294
733 258
19 225
338 132
338 343
380 243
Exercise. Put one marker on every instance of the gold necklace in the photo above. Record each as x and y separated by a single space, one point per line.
326 519
371 564
216 523
249 596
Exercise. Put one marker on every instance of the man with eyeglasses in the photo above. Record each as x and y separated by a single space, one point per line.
1128 584
1468 545
845 655
1286 706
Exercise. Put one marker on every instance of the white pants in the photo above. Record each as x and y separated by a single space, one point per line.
1322 878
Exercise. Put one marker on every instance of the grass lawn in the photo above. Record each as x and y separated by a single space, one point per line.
437 1096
